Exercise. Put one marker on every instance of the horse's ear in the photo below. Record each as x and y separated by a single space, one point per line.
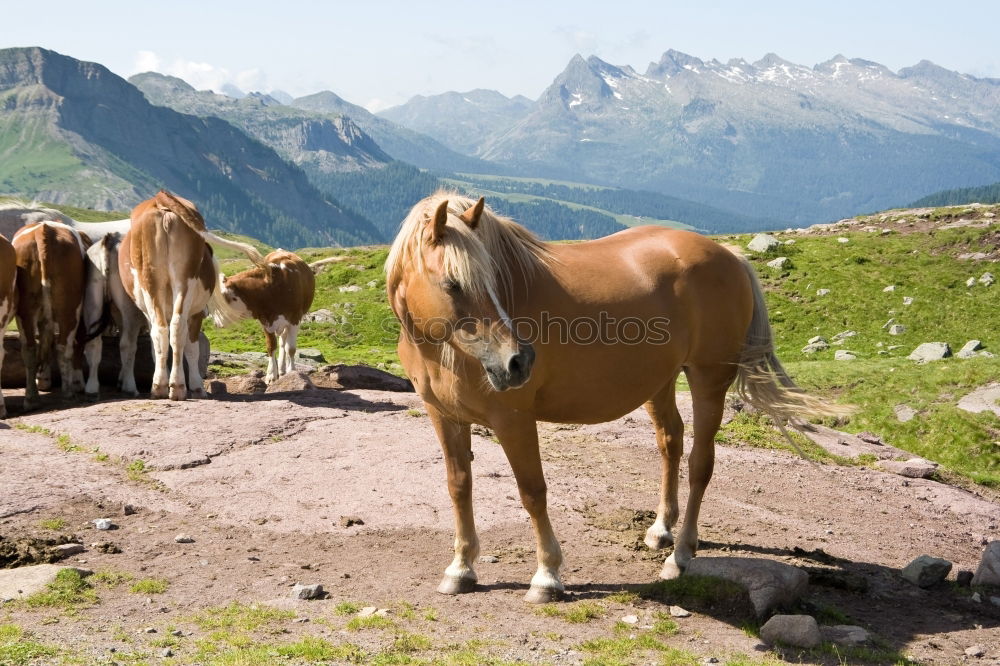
440 219
472 215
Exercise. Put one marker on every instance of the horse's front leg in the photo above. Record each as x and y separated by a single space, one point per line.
456 442
519 439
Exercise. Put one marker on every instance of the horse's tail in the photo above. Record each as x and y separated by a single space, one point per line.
193 219
762 381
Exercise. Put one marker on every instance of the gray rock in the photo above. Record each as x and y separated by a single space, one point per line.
894 347
322 316
346 377
969 349
489 559
129 509
630 619
846 635
769 583
914 468
988 572
930 351
367 611
840 337
822 292
795 630
987 279
815 347
842 239
844 355
926 571
311 354
897 329
677 611
983 399
904 413
888 290
975 651
67 549
291 381
763 243
103 523
815 339
300 591
166 652
25 581
183 538
349 288
778 263
971 282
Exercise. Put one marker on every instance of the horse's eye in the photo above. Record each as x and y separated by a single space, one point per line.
451 286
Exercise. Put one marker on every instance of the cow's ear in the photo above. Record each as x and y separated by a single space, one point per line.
472 215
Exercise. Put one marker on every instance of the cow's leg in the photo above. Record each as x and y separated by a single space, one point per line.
289 343
127 345
93 351
29 353
272 361
192 353
178 343
160 336
45 343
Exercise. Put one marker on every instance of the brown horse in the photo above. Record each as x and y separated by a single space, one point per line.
501 329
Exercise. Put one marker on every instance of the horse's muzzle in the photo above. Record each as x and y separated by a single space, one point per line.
515 372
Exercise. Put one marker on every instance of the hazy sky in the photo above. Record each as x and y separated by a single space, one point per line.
379 53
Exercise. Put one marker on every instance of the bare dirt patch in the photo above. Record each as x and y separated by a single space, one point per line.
261 482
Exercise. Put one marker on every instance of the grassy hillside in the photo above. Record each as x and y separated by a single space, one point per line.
917 256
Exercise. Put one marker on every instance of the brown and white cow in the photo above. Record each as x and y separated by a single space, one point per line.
8 271
50 283
168 270
277 294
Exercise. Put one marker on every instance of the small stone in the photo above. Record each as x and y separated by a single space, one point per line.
904 413
870 438
300 591
300 620
843 355
67 549
129 509
367 611
842 239
183 538
795 630
489 559
816 339
971 282
176 632
103 523
926 571
149 630
630 619
166 652
840 337
907 300
897 329
976 598
963 578
350 521
822 292
310 354
778 263
975 651
987 279
763 243
914 468
382 612
891 288
677 611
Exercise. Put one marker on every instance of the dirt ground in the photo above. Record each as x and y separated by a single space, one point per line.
261 483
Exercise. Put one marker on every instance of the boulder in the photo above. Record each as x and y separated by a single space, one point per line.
795 630
988 572
346 377
930 351
25 581
926 571
969 349
778 263
843 355
763 243
770 584
914 468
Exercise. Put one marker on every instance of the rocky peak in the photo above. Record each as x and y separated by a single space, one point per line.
673 62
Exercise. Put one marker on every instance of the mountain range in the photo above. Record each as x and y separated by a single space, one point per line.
769 138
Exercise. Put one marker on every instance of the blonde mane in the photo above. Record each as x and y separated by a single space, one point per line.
481 261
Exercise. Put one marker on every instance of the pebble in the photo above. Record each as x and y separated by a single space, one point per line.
891 288
183 538
103 523
677 611
177 632
489 559
149 630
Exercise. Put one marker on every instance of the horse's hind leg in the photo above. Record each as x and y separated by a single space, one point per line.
519 439
709 384
662 409
456 443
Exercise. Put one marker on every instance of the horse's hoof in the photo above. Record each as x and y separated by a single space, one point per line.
158 392
30 404
671 570
178 393
543 595
658 540
450 585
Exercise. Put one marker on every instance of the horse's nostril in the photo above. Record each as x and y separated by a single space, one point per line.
515 365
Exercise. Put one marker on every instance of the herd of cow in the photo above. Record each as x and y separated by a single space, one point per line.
67 282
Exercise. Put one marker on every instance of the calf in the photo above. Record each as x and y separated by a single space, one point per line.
8 270
277 294
168 270
50 266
